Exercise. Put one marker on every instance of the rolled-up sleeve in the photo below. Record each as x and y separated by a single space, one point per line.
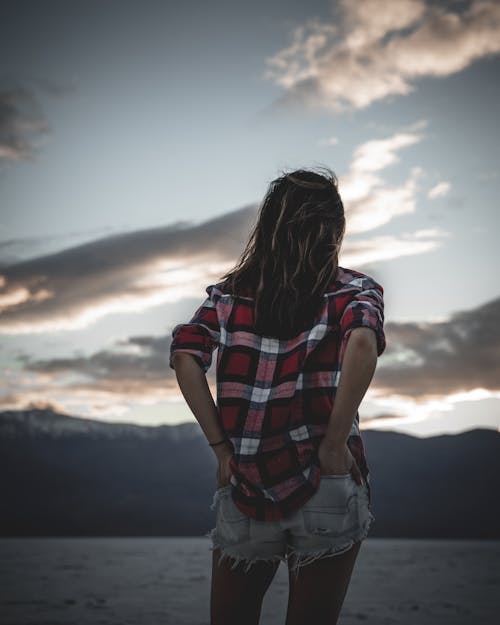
366 309
200 336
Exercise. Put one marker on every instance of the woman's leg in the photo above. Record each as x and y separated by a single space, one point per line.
236 597
317 593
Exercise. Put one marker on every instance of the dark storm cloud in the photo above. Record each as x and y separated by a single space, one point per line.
61 289
21 123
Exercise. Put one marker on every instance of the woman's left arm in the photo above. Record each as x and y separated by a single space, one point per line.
194 387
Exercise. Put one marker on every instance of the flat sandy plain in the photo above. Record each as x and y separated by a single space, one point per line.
166 581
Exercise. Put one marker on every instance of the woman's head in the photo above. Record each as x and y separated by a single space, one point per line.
292 252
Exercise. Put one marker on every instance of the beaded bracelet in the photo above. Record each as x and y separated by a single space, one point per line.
219 442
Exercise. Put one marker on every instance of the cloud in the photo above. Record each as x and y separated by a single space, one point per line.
21 123
378 154
370 202
439 190
103 384
388 247
129 272
71 288
426 366
374 49
435 359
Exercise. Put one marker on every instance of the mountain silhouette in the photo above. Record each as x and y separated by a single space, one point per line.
67 476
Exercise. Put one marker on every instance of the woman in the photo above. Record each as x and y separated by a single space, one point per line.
298 338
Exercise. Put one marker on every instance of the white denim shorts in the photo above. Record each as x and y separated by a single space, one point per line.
329 523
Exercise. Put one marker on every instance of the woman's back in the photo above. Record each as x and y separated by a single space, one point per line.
275 396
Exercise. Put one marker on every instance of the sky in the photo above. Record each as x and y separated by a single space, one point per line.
137 140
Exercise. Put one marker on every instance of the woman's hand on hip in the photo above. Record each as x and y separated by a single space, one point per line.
336 460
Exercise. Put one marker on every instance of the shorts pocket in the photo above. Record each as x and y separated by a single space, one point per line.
334 509
233 526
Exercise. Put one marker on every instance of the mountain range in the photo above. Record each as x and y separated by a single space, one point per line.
62 475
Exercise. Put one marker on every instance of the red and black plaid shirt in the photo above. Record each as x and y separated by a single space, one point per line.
275 397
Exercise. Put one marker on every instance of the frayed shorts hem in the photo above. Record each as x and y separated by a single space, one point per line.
304 557
230 554
295 557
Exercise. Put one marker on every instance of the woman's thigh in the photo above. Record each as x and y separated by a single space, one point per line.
236 595
325 538
317 594
246 556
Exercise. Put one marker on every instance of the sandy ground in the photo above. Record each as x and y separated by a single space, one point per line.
153 581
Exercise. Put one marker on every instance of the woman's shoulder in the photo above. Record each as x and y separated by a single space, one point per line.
351 279
222 289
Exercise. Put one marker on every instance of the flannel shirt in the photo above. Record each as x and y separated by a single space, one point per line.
275 396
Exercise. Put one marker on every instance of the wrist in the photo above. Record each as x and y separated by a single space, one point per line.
223 449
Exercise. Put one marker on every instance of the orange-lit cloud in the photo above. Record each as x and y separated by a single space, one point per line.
120 273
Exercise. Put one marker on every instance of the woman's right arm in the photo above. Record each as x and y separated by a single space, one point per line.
358 368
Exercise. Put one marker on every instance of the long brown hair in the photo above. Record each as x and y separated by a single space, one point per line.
292 253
